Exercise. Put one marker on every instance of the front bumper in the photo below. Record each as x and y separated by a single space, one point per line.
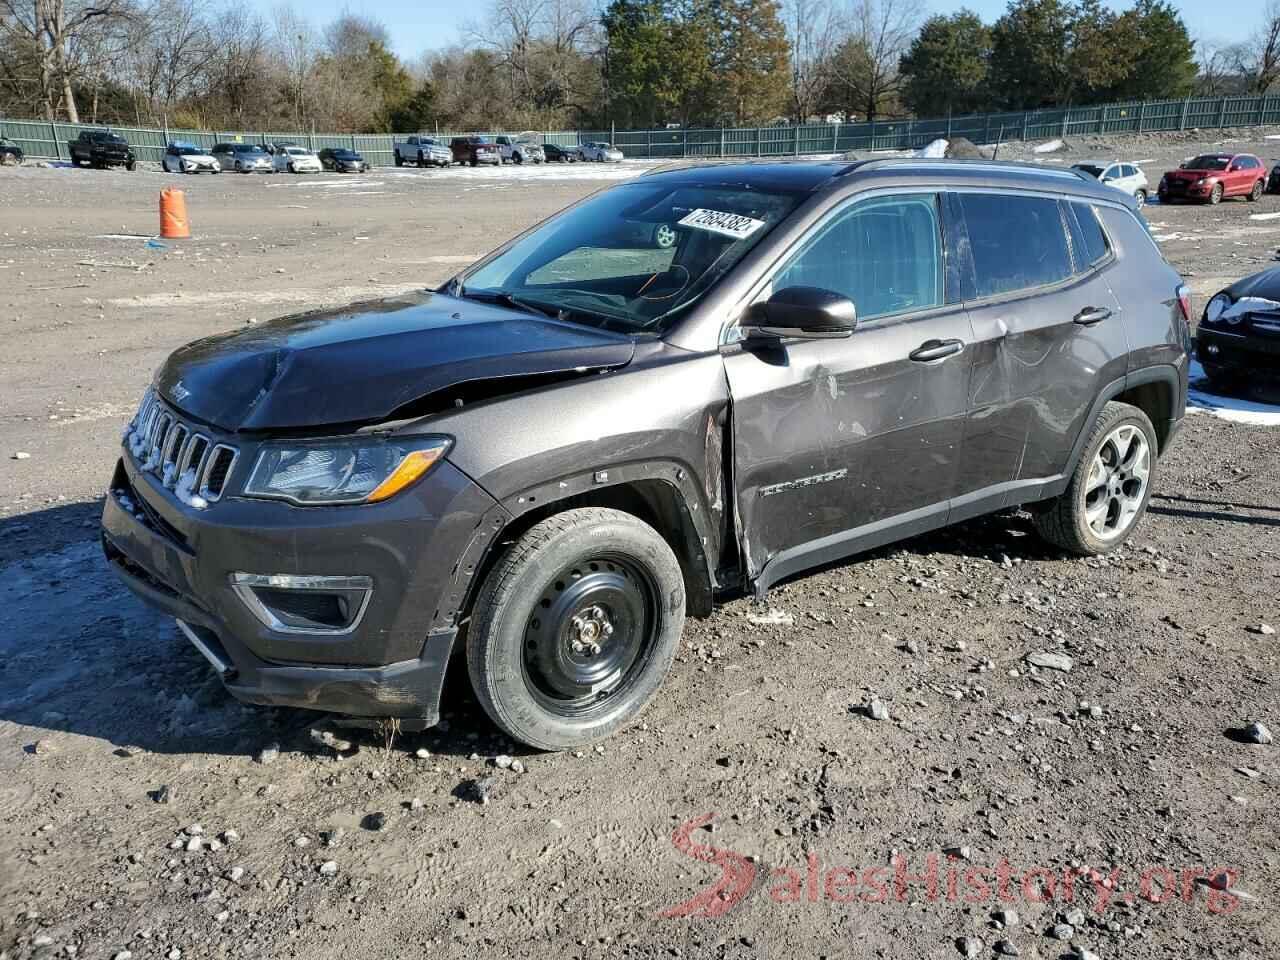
1238 351
1184 190
418 549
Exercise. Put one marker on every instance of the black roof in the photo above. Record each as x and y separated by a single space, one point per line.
814 175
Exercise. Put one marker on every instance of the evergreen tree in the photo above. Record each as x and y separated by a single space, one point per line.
945 69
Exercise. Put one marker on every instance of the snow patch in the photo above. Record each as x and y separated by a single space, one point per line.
1200 400
1052 146
935 150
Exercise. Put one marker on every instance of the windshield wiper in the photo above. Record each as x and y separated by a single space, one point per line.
504 299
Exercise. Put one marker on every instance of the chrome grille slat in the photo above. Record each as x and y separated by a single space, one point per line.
162 443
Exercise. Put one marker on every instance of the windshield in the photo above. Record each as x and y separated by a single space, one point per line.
1207 162
1092 169
247 148
297 152
186 150
346 155
631 258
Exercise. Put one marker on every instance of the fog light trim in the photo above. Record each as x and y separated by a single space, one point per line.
246 585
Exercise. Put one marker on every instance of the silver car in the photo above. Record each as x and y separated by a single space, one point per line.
243 158
599 151
291 158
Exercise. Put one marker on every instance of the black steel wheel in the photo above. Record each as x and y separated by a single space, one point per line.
589 634
575 627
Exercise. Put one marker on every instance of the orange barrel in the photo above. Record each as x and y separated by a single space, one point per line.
173 214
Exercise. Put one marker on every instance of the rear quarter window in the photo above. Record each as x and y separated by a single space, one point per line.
1086 233
1018 242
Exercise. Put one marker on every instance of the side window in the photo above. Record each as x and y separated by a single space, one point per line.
884 254
1092 241
1111 172
1017 242
1128 171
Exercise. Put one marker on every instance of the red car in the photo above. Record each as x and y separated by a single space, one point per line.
1212 176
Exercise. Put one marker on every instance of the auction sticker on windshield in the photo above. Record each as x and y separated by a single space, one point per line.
729 224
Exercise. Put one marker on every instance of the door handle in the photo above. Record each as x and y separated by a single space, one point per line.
936 350
1091 315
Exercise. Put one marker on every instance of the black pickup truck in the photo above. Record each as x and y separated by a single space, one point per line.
101 149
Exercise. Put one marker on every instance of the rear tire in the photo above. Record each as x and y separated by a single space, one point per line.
1141 198
1109 489
1256 193
575 628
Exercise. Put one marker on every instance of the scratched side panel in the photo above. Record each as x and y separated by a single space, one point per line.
832 435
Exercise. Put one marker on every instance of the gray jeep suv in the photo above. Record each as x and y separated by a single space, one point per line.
547 463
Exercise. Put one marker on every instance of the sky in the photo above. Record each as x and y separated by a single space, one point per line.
420 25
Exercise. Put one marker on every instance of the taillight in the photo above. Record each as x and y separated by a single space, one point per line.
1184 303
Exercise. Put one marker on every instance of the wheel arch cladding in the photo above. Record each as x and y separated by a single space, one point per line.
653 493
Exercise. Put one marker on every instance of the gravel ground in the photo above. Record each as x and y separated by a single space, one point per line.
1064 740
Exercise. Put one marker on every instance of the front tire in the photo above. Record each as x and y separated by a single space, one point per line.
575 628
1215 195
1109 489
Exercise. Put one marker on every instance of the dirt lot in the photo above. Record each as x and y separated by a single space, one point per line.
144 813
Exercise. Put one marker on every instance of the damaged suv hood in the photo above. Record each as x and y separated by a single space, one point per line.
363 362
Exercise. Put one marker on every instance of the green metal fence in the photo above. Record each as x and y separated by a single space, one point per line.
48 140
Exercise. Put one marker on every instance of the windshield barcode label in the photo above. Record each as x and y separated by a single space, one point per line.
729 224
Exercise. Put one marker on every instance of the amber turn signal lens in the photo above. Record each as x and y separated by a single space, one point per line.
410 470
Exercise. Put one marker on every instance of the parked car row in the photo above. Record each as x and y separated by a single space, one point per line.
428 151
104 148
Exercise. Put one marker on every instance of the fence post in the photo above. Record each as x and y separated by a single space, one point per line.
796 140
57 147
835 138
986 129
1025 114
684 142
1066 114
1182 121
1262 108
353 142
948 121
911 133
1142 115
722 140
648 144
1222 113
756 150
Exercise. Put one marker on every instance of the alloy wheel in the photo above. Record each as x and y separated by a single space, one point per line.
1117 483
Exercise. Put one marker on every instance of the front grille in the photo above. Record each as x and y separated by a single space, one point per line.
186 461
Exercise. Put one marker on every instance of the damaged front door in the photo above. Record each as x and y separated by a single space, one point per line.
842 444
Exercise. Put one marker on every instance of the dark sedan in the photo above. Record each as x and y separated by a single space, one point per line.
1239 331
343 160
10 152
558 154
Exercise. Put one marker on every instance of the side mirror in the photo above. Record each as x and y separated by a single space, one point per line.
809 313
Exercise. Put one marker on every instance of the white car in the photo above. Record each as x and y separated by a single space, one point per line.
1120 175
291 158
180 157
520 150
599 151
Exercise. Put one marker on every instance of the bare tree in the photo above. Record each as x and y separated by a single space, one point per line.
866 66
814 33
297 45
55 26
1258 60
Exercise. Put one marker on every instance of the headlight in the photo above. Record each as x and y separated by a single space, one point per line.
1213 310
361 470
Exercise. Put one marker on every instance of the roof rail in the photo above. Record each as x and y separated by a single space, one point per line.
962 163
